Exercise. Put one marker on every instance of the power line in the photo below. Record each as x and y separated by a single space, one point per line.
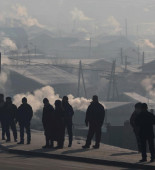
62 66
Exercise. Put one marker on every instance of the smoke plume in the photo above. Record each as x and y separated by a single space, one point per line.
3 79
7 43
148 43
149 85
79 15
22 14
112 26
36 98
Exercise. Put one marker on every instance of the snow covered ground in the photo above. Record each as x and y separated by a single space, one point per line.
46 75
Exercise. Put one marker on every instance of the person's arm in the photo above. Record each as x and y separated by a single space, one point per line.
43 118
72 111
87 116
18 114
102 115
15 112
31 112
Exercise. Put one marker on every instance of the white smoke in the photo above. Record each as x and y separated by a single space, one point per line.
79 15
6 60
149 85
36 98
79 103
7 43
146 9
3 79
112 26
22 15
148 43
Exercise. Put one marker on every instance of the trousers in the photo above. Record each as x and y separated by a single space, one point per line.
94 129
28 131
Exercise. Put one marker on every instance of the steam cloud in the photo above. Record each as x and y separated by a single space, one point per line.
112 25
79 15
149 85
36 98
18 16
3 79
23 16
8 43
149 43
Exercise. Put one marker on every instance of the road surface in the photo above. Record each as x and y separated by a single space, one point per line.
17 162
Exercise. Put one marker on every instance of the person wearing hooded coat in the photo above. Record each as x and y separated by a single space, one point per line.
68 115
24 116
60 124
136 129
48 123
10 116
2 116
145 121
94 118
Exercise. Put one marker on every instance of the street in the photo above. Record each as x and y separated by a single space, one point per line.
19 162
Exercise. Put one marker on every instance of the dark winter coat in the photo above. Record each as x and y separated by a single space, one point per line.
59 123
24 114
2 111
133 122
11 112
68 111
48 121
95 113
145 121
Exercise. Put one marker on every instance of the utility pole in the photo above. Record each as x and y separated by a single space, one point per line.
121 56
17 58
35 51
79 79
28 52
112 84
0 63
90 47
138 54
126 63
126 28
143 59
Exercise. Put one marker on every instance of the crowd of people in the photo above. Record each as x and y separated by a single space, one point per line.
56 119
142 122
10 115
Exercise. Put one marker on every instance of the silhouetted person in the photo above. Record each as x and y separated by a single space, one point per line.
24 116
94 118
133 117
60 124
145 121
2 116
48 123
68 114
10 118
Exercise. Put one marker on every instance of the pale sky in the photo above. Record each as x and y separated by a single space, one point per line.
86 15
